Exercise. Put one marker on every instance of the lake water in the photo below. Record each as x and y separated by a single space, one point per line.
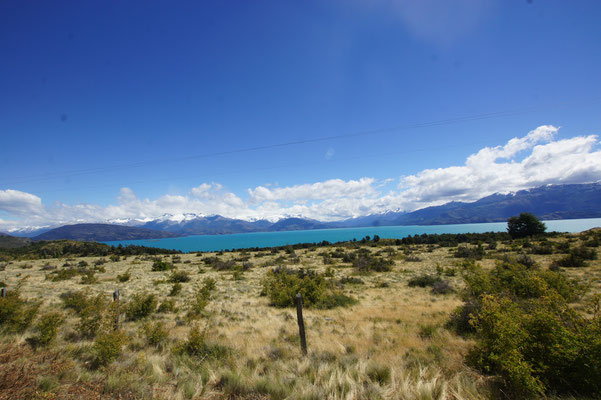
268 239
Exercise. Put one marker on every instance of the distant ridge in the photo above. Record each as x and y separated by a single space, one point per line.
12 242
102 233
546 202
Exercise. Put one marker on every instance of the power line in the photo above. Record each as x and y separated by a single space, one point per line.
443 122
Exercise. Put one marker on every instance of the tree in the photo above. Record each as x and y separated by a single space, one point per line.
525 225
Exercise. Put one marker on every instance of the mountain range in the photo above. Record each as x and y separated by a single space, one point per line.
547 202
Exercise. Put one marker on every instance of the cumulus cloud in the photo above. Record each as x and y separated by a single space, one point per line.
333 188
20 203
500 169
535 159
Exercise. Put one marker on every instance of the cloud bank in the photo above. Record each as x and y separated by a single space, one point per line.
535 159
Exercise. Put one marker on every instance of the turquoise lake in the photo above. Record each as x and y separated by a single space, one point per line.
268 239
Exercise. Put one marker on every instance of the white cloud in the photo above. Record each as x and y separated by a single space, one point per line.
499 169
20 203
333 188
532 160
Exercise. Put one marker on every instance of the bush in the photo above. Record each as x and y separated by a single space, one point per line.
63 274
527 333
282 284
141 306
17 314
424 280
47 328
167 306
108 345
160 265
92 311
442 287
175 289
196 345
155 333
201 299
179 277
576 258
124 277
88 278
473 253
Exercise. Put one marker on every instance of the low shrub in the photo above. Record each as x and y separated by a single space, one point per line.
473 253
175 289
196 345
179 277
282 284
155 333
442 287
576 258
16 313
124 277
141 306
424 280
167 306
47 327
63 274
528 334
201 299
89 277
160 265
108 345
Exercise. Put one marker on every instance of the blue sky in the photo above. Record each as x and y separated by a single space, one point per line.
326 109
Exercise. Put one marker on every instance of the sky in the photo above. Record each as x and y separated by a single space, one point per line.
326 109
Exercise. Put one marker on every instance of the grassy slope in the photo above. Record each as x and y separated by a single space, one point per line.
393 329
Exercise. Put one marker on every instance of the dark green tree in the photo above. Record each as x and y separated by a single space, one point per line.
524 225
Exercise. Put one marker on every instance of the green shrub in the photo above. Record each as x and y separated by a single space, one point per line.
473 253
282 284
378 373
527 333
108 345
47 327
160 265
124 277
424 280
141 306
179 277
17 314
63 274
156 333
576 258
364 261
167 306
88 277
197 345
175 289
201 299
92 312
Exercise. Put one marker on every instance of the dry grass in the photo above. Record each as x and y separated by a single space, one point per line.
391 345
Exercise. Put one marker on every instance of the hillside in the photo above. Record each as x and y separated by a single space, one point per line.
11 242
102 233
546 202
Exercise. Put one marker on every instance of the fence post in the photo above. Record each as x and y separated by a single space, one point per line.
3 292
301 323
116 299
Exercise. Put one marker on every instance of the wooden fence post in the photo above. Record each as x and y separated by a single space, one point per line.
116 298
301 322
3 292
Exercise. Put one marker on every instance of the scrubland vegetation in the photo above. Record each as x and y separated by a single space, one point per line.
425 317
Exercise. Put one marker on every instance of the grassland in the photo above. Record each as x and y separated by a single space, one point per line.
391 343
